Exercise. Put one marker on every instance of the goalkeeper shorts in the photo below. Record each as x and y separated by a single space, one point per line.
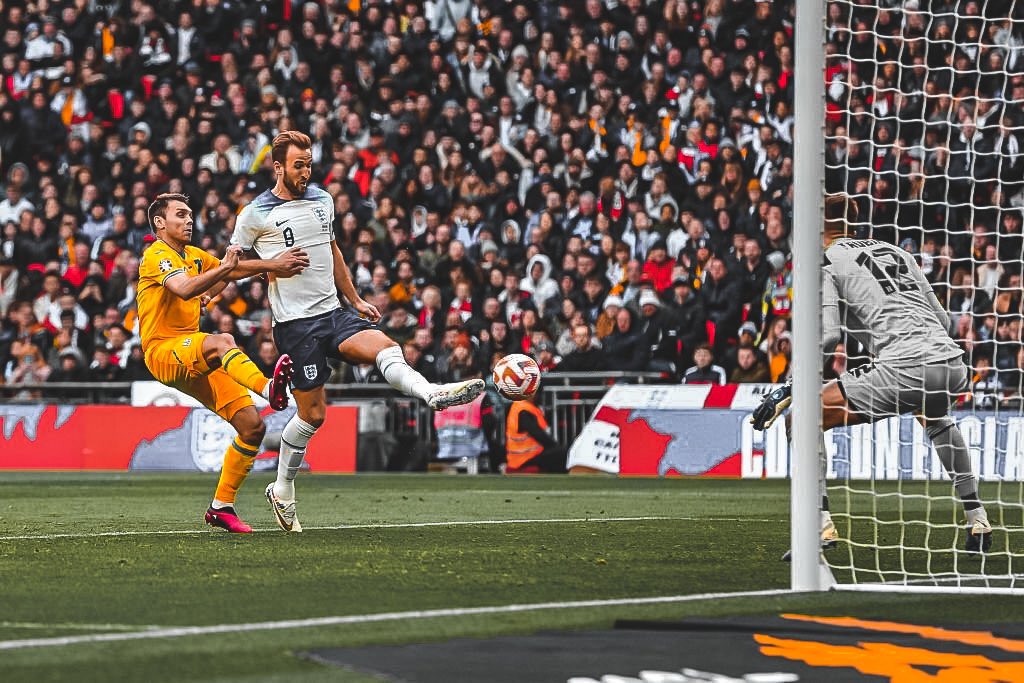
879 390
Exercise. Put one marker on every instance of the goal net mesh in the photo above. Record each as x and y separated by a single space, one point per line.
925 130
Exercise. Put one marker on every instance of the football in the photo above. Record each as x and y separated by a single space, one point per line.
516 376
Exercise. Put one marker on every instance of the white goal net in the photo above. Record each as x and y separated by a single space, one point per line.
924 108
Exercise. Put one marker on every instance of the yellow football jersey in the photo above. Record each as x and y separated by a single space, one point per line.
162 315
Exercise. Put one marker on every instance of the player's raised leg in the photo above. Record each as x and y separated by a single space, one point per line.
373 346
221 350
238 460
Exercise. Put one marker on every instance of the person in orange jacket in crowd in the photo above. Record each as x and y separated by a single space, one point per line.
529 449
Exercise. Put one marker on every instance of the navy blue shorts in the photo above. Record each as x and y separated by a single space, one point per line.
311 341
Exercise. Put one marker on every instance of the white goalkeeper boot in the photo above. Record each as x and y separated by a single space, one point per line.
979 532
829 536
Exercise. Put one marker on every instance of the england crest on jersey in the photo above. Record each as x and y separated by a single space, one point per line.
309 371
321 215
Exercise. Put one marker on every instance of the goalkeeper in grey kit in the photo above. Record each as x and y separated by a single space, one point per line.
878 293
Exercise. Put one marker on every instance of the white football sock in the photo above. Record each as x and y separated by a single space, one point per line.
294 439
400 375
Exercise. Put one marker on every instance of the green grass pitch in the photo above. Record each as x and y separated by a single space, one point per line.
119 553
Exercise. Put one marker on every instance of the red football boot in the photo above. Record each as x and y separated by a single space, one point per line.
279 383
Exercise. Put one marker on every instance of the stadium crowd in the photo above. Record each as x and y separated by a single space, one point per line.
603 184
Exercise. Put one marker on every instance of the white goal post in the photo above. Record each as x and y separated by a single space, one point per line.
808 571
934 157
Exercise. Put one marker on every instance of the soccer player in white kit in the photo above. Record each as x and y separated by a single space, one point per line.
879 294
310 322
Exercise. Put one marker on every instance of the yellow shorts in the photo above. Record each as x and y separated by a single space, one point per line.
179 363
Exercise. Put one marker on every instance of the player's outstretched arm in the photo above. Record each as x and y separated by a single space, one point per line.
291 262
186 288
343 281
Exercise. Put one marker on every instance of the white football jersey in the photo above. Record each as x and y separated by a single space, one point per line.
270 226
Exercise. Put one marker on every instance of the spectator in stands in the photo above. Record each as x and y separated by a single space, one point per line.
704 371
265 357
626 348
28 366
585 357
545 354
529 448
1013 383
721 294
779 356
538 282
14 205
746 338
70 367
659 267
605 324
8 284
524 133
986 388
749 368
658 333
102 368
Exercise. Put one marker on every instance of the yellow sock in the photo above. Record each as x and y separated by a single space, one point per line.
237 463
241 369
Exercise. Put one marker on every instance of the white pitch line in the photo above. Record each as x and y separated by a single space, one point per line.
396 525
74 626
180 631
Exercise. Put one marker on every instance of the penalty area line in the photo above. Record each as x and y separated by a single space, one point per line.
355 619
387 525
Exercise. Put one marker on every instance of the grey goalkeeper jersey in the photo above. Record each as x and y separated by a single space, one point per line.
877 293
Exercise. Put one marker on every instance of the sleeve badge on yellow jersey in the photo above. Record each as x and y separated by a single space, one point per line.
165 265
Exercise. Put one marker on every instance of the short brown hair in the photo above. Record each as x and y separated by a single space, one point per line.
839 207
289 138
160 204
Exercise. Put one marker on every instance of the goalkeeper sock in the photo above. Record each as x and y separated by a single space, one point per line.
237 464
400 375
294 439
954 456
241 369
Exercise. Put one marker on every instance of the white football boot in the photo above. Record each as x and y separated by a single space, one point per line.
454 394
284 511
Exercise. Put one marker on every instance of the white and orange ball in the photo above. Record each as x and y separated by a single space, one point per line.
516 376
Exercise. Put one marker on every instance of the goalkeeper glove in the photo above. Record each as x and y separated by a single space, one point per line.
773 405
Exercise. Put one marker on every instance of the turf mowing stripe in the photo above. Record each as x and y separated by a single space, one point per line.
395 525
180 631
